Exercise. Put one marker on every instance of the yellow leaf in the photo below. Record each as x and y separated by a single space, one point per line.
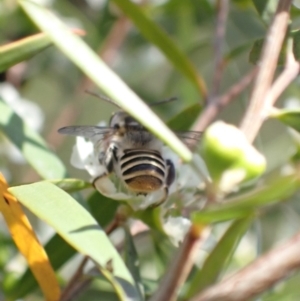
27 243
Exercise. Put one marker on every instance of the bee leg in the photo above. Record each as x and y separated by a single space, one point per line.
110 156
166 193
171 172
104 175
102 182
104 185
169 180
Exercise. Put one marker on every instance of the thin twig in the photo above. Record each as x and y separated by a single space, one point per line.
258 276
137 231
181 265
254 116
215 106
222 13
76 279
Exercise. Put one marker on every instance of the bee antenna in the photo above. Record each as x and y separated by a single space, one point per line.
163 101
102 97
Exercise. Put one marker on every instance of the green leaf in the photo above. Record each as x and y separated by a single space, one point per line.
256 49
237 51
163 248
240 206
59 252
290 117
159 38
185 119
161 242
151 217
217 260
255 53
71 185
16 52
102 208
266 8
109 82
132 261
296 43
76 226
31 145
21 50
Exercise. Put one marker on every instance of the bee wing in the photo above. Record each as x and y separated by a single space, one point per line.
190 138
86 131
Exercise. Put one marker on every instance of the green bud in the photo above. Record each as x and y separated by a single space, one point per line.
230 158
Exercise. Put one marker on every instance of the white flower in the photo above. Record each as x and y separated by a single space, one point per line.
85 155
176 228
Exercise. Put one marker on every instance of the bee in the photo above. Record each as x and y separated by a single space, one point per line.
127 149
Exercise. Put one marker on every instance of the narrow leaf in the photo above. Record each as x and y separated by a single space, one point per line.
78 228
21 50
185 119
152 218
27 243
159 38
32 146
71 185
290 117
219 257
241 205
16 52
237 51
266 8
105 79
295 34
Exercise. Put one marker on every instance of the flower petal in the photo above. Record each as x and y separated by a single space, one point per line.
176 228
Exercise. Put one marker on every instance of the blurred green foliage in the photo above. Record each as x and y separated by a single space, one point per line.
57 86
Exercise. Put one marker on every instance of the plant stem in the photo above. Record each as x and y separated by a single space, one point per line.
258 276
257 109
222 13
216 105
181 265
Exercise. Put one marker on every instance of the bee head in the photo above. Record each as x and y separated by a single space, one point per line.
122 120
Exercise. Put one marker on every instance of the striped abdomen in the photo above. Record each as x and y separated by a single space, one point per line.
143 170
